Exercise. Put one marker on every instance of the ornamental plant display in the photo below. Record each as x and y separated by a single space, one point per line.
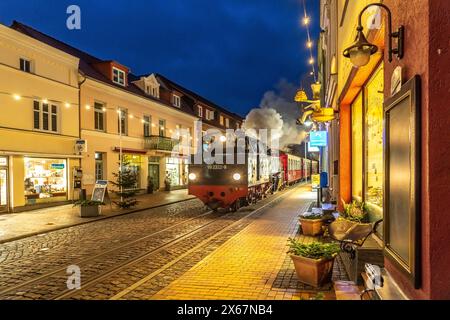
125 183
314 250
313 262
355 211
312 224
87 203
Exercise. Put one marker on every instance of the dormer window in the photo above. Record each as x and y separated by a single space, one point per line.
176 101
119 76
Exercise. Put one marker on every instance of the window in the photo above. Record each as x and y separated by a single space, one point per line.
45 117
227 122
119 76
99 166
123 122
176 101
209 115
200 111
237 125
357 147
25 65
374 143
155 92
99 116
162 127
221 120
147 126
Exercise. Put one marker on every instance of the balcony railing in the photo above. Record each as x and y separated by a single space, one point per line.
160 143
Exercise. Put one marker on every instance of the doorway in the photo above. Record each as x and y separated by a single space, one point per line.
153 175
3 189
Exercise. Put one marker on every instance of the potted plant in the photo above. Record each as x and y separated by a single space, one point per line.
88 208
356 211
313 262
312 224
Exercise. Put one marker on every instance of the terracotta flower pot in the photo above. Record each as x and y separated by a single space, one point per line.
312 227
313 272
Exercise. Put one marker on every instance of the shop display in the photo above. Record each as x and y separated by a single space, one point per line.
45 180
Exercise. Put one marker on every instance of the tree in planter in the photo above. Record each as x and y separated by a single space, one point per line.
125 182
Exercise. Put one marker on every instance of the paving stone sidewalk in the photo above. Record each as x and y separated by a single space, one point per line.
251 263
15 226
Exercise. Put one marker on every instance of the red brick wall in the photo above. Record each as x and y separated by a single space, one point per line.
426 22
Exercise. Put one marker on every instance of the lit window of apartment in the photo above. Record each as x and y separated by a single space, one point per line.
45 117
209 114
227 122
147 126
25 65
123 122
162 127
99 166
99 116
155 92
176 101
200 111
119 76
222 120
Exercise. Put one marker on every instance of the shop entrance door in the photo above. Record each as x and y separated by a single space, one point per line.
3 189
153 174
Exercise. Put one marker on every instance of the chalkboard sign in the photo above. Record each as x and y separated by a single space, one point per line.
100 190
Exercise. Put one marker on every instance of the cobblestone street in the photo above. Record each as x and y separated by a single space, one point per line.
179 251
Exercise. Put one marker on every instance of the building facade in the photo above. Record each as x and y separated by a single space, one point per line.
38 122
408 197
149 120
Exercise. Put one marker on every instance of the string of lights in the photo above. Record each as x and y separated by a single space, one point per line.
88 107
306 21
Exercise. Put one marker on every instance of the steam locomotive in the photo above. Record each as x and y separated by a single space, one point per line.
258 173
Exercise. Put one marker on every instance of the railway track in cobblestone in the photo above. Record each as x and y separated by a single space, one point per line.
118 284
120 272
20 290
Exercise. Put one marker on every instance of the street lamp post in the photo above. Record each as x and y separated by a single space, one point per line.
120 154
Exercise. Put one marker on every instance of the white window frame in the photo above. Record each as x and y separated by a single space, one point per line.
227 122
104 115
176 101
50 115
222 120
29 61
200 111
119 72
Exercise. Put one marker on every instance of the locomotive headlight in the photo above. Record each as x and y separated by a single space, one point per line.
236 176
192 176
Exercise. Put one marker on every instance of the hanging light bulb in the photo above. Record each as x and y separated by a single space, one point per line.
309 44
88 107
104 109
311 61
67 105
306 20
17 97
45 101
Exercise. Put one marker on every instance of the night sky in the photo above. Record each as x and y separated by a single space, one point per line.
229 51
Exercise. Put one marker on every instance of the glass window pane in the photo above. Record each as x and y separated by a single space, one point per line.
357 148
374 144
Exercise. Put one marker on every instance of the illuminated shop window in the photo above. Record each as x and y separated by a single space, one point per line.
45 180
374 177
357 148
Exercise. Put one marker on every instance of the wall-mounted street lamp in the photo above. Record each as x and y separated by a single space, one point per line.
361 50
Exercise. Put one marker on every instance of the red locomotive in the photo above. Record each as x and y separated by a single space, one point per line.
232 186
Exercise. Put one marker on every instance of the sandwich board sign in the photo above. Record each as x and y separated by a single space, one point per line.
100 191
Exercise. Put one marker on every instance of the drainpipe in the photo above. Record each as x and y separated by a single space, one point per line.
82 191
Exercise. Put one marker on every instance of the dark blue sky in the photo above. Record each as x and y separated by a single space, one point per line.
230 51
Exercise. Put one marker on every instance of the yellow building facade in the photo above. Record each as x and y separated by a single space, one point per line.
145 136
38 122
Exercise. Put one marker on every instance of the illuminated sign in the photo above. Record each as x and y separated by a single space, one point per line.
312 149
318 138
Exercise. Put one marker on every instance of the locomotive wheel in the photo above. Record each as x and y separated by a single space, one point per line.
235 206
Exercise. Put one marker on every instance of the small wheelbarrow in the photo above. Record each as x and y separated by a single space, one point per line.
351 234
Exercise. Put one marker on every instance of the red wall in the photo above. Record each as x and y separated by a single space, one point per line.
427 22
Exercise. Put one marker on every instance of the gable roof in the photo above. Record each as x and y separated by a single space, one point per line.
174 86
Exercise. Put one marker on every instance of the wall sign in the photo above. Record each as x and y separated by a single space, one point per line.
318 138
402 180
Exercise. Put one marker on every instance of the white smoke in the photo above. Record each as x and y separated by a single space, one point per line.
277 111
